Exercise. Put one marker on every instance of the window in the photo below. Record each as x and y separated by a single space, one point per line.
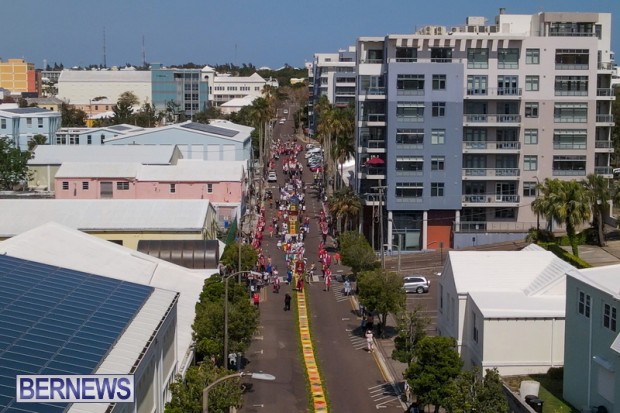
475 327
409 165
583 306
122 186
2 123
505 213
29 122
40 121
409 190
530 136
571 85
65 185
173 188
529 189
508 85
102 138
406 54
572 59
477 85
89 139
439 82
570 138
209 188
410 111
412 138
570 112
412 85
437 188
438 163
532 56
74 140
530 163
375 56
438 136
531 110
532 83
439 109
85 185
477 58
609 317
508 58
569 165
441 54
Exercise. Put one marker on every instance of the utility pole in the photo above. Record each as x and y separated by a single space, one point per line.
380 189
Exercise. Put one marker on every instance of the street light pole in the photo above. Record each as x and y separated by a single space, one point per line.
205 391
380 189
537 212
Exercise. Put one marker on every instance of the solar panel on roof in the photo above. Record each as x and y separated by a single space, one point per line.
67 329
119 127
210 129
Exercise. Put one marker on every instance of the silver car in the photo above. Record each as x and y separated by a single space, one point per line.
416 284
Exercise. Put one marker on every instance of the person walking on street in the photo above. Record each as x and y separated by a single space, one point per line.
256 298
369 341
287 302
347 288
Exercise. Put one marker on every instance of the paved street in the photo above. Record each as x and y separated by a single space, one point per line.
352 378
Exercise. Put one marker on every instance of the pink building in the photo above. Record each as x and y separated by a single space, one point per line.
223 183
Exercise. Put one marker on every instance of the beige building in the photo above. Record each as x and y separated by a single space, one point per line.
89 88
19 76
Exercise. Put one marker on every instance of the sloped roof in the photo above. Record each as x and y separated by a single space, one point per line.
255 78
58 245
512 283
144 154
159 215
97 169
194 171
239 102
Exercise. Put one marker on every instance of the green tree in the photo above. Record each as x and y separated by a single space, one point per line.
187 391
411 328
346 205
208 325
436 363
382 292
230 257
13 165
564 202
123 110
615 132
128 98
470 392
147 116
71 116
37 139
356 252
599 195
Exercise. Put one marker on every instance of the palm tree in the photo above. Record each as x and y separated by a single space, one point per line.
343 149
598 193
564 202
260 113
345 204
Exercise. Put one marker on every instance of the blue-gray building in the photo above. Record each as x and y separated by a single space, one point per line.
22 124
187 88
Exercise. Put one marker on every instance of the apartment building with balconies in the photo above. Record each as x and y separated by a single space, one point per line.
456 125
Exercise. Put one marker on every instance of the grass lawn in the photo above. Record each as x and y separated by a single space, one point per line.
550 392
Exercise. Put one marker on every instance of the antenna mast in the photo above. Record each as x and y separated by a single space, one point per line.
143 53
105 64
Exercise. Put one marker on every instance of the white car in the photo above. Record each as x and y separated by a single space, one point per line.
272 177
416 283
285 111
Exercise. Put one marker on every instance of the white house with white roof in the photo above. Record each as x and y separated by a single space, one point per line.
170 346
218 141
592 345
506 309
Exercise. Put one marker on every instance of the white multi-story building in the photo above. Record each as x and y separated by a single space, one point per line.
456 125
225 87
83 87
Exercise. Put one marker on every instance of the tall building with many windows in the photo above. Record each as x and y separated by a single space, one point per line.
188 89
19 76
456 125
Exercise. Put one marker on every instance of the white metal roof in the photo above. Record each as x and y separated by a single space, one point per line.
512 283
116 76
98 169
606 278
158 215
144 154
239 102
193 170
254 78
58 245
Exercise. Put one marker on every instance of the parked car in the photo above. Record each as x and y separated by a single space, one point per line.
416 284
282 121
285 111
310 146
272 177
317 168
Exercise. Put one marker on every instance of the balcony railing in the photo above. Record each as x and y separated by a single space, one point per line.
490 198
571 34
490 172
606 66
571 66
410 92
603 170
375 144
481 118
492 145
569 172
493 226
604 92
605 118
373 170
426 60
374 117
603 144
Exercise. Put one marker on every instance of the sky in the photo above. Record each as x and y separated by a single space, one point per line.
262 32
